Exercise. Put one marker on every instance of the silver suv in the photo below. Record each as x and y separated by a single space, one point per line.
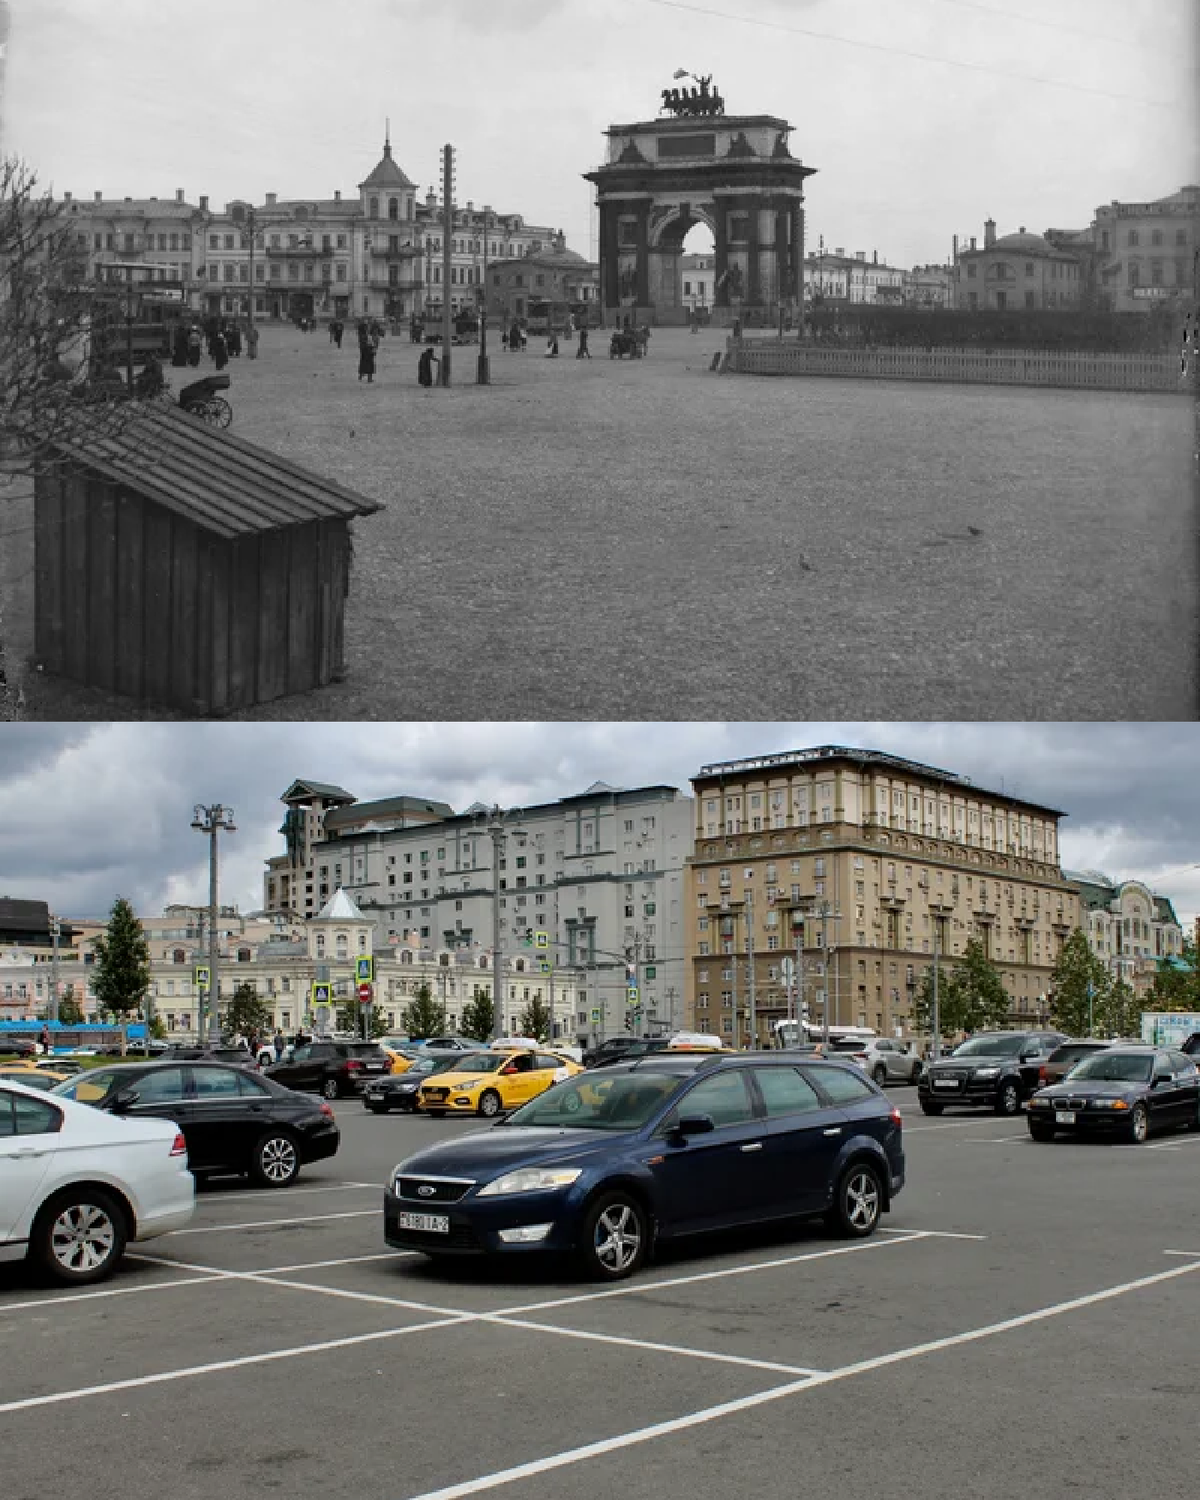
891 1062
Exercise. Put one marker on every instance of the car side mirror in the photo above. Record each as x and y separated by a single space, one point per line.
122 1100
1159 1078
694 1125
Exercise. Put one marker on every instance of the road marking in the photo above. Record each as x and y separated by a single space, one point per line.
114 1291
349 1260
1188 1253
337 1291
776 1393
358 1213
186 1372
994 1140
609 1338
949 1125
764 1265
935 1234
216 1199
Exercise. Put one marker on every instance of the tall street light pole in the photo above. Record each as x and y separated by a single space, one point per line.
211 820
55 931
497 827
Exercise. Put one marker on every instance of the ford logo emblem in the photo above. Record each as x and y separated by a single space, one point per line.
426 1191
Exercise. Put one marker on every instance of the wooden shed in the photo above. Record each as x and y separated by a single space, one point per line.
180 565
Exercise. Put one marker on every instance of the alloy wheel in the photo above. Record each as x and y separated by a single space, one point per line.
862 1200
82 1238
277 1157
1139 1124
617 1238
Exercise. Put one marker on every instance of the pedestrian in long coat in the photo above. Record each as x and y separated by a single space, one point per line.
194 342
366 356
179 346
220 351
425 367
338 330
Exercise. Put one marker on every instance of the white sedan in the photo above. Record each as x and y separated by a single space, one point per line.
77 1184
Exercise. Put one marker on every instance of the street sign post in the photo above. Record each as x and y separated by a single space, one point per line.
364 994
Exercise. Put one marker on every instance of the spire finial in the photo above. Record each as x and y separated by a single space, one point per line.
387 136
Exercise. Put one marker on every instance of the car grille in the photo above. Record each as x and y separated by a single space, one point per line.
443 1191
1070 1104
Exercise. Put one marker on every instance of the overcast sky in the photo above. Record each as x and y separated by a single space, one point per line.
922 117
92 811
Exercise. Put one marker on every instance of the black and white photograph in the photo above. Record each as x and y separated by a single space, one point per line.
599 358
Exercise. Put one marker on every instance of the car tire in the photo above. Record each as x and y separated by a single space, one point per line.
615 1238
1039 1131
857 1201
918 1069
329 1089
437 1114
1139 1125
1008 1098
79 1235
879 1074
376 1109
276 1160
928 1107
490 1104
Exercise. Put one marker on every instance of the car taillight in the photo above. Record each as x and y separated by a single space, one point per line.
896 1118
327 1111
1041 1077
353 1065
179 1145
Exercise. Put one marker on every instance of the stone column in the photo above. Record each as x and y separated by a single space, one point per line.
643 255
798 251
609 253
720 252
753 278
783 256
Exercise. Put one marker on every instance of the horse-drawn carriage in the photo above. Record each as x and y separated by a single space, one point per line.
631 341
201 399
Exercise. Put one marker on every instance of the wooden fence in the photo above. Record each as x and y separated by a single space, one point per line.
1075 370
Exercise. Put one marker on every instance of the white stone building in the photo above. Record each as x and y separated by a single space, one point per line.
1129 928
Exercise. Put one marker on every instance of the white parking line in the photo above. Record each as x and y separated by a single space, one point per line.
337 1291
994 1140
215 1200
948 1125
1186 1253
114 1291
358 1213
305 1265
776 1393
166 1376
609 1338
634 1287
935 1234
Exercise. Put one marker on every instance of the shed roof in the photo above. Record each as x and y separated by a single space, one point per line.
219 482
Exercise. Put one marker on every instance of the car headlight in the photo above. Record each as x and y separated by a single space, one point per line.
1036 1103
987 1072
405 1088
1109 1104
531 1180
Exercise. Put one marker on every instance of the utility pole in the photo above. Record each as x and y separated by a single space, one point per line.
55 930
750 994
447 241
251 339
733 949
483 373
211 820
935 1018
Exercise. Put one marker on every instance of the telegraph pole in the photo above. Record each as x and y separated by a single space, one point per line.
448 226
753 1018
55 930
211 820
936 1019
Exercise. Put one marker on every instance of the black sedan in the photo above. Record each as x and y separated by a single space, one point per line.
399 1090
234 1122
607 1163
1123 1092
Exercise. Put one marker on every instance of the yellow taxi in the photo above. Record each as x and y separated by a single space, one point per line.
34 1078
401 1057
491 1081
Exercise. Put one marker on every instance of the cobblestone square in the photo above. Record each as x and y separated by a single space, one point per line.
649 540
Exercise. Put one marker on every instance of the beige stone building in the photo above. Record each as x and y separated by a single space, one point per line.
855 865
1129 928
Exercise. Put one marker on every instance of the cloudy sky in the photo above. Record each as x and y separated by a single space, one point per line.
90 811
923 117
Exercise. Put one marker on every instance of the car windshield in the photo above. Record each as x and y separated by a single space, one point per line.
363 1049
433 1065
624 1102
88 1087
1074 1051
478 1062
1114 1067
990 1046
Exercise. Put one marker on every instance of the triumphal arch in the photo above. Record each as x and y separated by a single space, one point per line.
697 164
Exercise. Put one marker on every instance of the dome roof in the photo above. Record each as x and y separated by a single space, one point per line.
1023 241
387 174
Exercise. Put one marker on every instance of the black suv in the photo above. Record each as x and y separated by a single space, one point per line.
332 1068
995 1069
618 1048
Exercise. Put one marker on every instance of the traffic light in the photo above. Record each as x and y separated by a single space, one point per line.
527 937
628 1020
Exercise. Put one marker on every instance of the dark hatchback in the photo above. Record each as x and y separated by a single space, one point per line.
606 1164
399 1090
234 1122
331 1068
1125 1092
993 1070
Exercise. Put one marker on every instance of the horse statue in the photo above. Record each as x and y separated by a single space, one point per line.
696 103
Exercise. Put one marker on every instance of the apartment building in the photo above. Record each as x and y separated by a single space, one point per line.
601 872
1129 928
857 865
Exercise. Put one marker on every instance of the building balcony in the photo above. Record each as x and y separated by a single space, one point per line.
385 252
300 252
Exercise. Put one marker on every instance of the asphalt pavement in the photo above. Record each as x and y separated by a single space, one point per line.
1024 1322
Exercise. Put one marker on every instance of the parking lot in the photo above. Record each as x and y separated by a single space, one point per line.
1025 1319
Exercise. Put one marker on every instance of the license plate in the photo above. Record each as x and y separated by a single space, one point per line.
1064 1117
945 1083
429 1223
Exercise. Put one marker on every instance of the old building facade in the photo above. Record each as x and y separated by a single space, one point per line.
855 865
1015 271
1145 250
1129 928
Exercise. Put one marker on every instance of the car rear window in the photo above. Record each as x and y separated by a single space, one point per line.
362 1049
1074 1051
840 1085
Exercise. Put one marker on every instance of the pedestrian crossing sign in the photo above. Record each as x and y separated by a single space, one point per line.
541 940
631 994
203 976
320 993
544 966
364 969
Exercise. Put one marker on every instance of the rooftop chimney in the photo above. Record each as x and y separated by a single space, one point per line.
178 195
337 195
99 197
271 200
66 197
839 251
204 201
128 199
972 242
1021 230
860 255
989 233
874 257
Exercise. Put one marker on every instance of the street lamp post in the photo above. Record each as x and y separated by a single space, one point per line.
55 932
497 826
211 820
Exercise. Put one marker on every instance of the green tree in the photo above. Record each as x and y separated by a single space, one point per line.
70 1012
158 1028
121 973
423 1016
247 1011
477 1016
1120 1012
971 994
535 1020
1079 986
1177 983
350 1018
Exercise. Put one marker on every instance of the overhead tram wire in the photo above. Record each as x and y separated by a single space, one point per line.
947 62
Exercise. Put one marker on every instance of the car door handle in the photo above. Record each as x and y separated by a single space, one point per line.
833 1130
28 1151
753 1146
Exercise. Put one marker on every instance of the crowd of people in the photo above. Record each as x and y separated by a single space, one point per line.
222 339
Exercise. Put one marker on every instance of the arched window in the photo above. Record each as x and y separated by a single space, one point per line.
393 208
373 208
